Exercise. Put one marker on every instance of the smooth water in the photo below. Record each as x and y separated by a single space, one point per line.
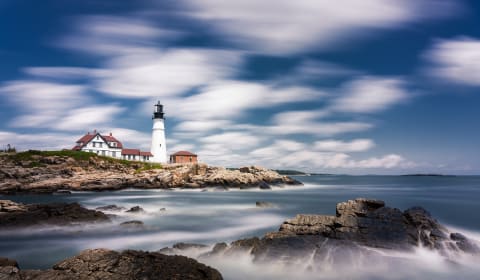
216 216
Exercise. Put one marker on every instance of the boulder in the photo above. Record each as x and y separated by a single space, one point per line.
264 204
105 264
111 208
136 209
132 224
348 237
19 215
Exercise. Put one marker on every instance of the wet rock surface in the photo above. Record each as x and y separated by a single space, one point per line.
106 264
14 214
62 174
359 227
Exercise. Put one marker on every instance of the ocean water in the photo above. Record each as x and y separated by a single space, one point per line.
216 216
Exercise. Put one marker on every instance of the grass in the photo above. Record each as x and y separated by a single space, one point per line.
34 155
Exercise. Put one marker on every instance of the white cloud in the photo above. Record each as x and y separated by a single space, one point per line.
37 141
61 72
283 26
456 60
233 140
41 102
156 73
230 99
387 161
114 35
202 126
43 96
357 145
55 106
87 117
370 94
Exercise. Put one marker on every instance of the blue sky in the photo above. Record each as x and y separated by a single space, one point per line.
359 87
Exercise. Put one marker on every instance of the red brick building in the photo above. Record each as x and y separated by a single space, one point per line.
183 157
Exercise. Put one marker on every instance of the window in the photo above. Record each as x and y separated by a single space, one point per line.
98 137
94 144
114 154
90 151
103 153
100 144
190 159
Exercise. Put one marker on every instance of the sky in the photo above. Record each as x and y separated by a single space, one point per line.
345 87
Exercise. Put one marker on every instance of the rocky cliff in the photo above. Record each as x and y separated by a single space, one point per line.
49 172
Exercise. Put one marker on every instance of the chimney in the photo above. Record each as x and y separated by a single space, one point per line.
110 134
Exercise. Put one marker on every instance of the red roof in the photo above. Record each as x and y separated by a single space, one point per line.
131 152
88 137
184 153
136 152
110 138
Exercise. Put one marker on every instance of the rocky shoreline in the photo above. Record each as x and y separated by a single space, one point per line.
37 172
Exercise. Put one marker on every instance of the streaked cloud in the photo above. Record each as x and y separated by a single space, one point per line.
282 26
356 145
370 94
162 73
456 60
114 35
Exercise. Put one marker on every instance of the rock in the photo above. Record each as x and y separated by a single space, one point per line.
105 264
187 246
41 173
62 192
133 224
8 206
264 204
8 262
163 209
264 186
345 238
111 208
219 248
19 215
9 269
136 209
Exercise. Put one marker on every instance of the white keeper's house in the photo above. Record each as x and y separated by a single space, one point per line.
108 145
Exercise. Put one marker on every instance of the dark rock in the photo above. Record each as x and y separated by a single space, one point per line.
264 186
112 207
219 248
15 214
264 204
363 222
133 224
187 246
8 262
163 209
105 264
62 192
464 244
136 209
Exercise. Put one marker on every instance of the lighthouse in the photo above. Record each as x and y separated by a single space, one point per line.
159 147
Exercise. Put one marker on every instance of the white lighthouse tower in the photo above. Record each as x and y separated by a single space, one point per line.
159 147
